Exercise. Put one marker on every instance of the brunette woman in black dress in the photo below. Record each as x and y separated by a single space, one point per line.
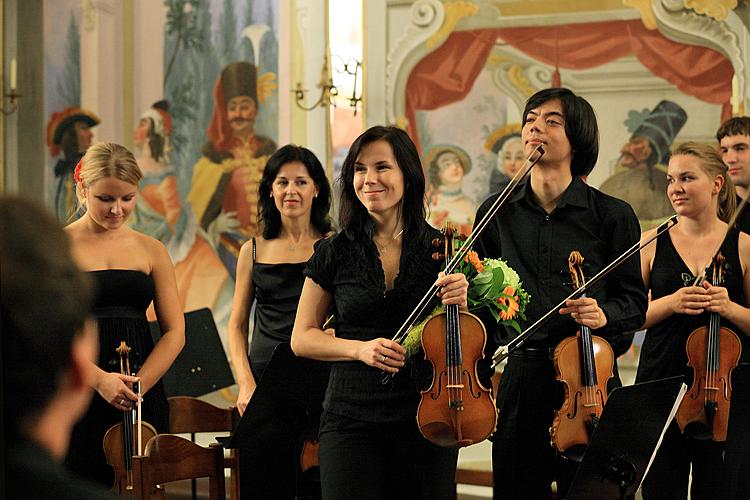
294 201
374 273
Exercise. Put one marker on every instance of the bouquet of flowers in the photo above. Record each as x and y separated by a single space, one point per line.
493 285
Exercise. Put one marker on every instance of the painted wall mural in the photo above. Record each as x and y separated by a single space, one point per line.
202 146
464 82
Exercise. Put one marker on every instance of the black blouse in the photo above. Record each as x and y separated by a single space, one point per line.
350 270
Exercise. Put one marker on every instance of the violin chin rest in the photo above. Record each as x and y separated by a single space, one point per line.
698 431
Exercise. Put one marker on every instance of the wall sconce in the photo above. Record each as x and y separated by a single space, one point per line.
353 68
12 95
326 86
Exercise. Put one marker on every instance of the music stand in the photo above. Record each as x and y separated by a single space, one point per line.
287 382
626 438
202 366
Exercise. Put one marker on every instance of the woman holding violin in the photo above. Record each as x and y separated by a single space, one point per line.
131 271
294 198
702 195
373 274
549 215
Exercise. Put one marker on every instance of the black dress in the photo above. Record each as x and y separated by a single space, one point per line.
273 471
663 355
276 288
121 301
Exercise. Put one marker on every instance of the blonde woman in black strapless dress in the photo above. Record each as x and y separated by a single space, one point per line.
294 198
131 270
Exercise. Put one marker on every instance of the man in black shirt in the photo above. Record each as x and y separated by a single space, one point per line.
734 148
49 348
549 215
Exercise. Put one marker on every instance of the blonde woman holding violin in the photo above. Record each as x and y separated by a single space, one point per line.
702 195
373 273
131 270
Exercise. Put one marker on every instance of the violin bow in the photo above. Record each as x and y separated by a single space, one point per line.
732 220
532 160
504 351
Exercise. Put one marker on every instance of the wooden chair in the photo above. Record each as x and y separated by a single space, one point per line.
189 415
169 458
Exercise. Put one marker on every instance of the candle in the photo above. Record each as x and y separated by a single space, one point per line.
13 74
735 96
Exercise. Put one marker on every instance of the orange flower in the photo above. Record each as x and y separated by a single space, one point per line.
475 261
511 304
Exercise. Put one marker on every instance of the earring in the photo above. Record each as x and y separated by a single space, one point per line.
315 196
270 195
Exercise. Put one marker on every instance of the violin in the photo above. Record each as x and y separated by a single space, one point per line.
123 440
584 363
713 352
456 410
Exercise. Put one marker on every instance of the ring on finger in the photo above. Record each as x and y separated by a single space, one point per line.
383 358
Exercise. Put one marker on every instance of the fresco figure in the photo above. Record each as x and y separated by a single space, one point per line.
160 214
640 173
446 167
224 190
68 133
505 142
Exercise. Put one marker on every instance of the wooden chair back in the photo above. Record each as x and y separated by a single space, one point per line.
169 458
188 415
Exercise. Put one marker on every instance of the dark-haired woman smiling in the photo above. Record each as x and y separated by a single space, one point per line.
294 200
374 272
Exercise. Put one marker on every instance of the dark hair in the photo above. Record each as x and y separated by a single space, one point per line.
738 125
268 215
155 141
45 301
580 126
69 142
353 216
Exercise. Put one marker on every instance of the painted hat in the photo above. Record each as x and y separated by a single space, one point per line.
239 79
61 121
659 126
432 154
501 135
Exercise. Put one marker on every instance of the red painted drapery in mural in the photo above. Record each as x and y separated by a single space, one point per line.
447 74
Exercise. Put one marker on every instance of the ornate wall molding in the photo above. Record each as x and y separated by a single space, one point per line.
717 9
682 24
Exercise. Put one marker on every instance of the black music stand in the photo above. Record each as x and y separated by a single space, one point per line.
625 440
202 366
288 382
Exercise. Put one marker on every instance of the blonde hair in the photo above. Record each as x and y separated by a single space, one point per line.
713 165
104 160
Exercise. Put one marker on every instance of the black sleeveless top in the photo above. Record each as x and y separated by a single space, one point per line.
663 352
276 289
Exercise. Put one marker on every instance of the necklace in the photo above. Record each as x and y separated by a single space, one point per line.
382 249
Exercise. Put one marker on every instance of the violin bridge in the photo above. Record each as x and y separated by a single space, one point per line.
454 386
